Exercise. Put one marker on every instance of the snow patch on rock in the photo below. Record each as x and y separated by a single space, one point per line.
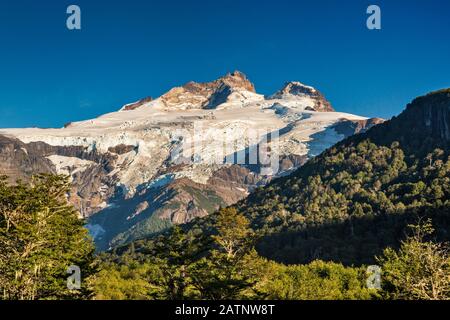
69 165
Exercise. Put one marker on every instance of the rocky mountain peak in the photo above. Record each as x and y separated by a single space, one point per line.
207 95
235 90
298 90
237 80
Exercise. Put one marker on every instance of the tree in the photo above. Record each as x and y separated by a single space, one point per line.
318 280
419 270
41 236
234 236
127 279
173 255
231 269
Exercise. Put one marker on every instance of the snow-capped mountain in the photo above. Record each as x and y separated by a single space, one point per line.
168 160
297 91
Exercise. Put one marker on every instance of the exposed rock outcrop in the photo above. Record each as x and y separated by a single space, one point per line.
351 127
19 161
135 105
294 89
423 126
92 184
208 95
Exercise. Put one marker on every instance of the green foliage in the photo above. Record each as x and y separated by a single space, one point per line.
350 203
223 265
127 280
234 237
41 236
209 202
229 270
316 281
420 270
219 277
174 255
147 227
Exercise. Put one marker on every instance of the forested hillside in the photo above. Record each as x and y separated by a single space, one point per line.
356 204
357 198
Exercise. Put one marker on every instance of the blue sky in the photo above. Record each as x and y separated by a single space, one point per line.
131 49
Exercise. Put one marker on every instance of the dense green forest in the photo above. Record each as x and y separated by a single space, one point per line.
357 198
367 219
351 203
225 265
41 236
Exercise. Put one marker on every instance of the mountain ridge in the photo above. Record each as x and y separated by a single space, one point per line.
354 200
128 158
358 196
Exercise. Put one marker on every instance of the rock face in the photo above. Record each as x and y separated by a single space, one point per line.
425 124
180 156
20 161
350 127
137 104
208 95
297 90
88 170
431 115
